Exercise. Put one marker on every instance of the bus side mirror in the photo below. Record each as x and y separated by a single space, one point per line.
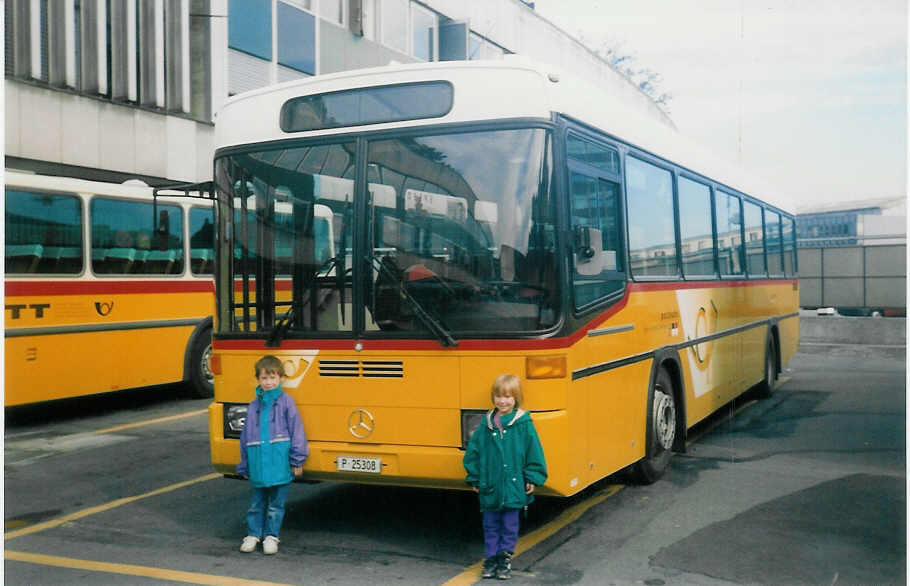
589 257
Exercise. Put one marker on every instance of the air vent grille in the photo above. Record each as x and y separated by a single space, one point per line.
365 368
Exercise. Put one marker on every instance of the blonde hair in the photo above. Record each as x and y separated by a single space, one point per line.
269 364
508 385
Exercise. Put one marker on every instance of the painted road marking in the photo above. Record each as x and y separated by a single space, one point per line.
29 451
573 513
152 421
472 573
42 447
131 570
105 507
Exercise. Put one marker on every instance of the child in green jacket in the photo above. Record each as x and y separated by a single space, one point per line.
504 462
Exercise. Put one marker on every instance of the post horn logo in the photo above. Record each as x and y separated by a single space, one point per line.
361 423
104 308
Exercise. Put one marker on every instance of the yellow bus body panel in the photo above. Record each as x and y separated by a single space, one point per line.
130 353
591 425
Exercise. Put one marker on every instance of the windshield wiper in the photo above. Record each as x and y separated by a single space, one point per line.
281 328
445 338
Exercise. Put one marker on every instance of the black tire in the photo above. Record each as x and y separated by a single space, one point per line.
202 384
661 431
766 386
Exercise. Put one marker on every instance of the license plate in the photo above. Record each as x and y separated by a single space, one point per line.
349 464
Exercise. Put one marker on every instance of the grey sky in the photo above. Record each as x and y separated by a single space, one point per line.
811 94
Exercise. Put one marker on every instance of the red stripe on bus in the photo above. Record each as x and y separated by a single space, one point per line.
475 345
24 288
712 284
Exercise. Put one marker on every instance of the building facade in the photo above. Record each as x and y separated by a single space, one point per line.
870 222
113 90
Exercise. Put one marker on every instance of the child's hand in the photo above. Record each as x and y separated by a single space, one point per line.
298 470
529 488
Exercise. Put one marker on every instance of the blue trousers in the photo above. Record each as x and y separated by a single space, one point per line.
500 531
266 510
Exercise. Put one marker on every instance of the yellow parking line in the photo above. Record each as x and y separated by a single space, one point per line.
472 573
152 421
101 508
131 570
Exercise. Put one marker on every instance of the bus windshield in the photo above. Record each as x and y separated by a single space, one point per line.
443 235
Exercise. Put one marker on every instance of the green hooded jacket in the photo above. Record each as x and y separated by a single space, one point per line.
500 463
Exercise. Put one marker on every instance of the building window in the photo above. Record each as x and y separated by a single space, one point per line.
305 4
296 39
481 48
250 27
332 11
394 16
424 35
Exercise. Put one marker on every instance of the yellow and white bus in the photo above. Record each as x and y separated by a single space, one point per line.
100 295
487 217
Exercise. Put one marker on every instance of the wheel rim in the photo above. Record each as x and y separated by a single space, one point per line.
205 365
664 418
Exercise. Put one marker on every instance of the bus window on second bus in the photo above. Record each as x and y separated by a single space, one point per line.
123 242
43 233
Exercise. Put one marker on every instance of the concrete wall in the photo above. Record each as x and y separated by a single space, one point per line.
58 126
853 330
873 277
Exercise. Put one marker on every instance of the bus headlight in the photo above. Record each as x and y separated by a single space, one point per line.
471 419
234 418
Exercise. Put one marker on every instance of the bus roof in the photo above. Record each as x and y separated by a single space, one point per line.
16 179
511 88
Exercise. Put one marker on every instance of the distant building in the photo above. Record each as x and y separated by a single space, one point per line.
113 90
871 222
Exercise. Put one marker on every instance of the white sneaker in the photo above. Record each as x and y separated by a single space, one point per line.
270 545
249 544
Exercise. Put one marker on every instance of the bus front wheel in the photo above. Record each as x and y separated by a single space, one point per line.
201 376
661 431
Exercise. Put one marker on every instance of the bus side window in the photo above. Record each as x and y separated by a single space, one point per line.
729 235
123 244
755 240
772 236
696 235
596 226
788 233
43 233
652 231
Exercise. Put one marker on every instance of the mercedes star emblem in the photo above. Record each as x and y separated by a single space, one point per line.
360 423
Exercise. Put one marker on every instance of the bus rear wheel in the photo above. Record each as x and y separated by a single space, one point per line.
202 380
661 431
766 387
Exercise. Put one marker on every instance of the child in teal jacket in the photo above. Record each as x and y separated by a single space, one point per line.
504 462
273 447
